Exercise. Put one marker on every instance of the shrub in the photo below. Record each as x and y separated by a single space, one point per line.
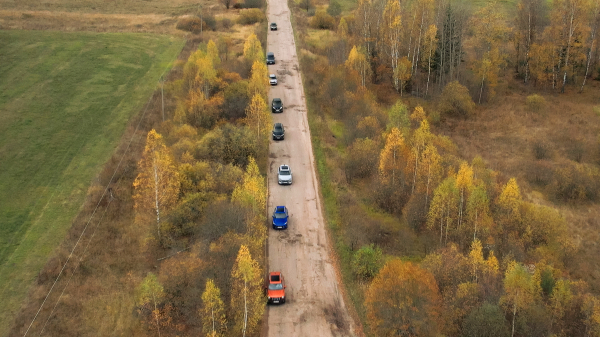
334 8
359 162
541 150
535 103
456 100
322 20
209 21
226 23
251 16
189 24
576 182
539 172
254 3
367 261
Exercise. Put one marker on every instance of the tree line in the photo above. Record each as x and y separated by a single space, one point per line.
467 255
201 197
421 45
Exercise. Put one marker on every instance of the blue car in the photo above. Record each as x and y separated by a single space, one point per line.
280 217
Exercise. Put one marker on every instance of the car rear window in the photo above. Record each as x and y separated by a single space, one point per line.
274 278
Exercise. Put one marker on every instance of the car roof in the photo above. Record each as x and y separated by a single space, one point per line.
276 99
270 53
278 124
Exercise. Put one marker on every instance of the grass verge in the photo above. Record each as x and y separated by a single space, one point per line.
65 101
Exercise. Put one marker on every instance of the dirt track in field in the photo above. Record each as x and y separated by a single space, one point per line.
315 305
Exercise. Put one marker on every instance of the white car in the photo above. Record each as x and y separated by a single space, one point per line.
273 79
284 175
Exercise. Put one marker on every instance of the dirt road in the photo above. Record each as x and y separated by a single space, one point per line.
314 304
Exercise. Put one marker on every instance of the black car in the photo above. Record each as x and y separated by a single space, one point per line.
277 105
270 58
273 26
278 131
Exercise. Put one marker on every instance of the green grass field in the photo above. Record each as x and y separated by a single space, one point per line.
65 100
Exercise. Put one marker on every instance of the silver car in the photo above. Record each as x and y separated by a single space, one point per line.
284 175
273 79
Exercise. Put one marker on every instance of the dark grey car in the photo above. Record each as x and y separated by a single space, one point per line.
277 105
270 58
278 131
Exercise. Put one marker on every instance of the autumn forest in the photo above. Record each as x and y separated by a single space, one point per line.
433 238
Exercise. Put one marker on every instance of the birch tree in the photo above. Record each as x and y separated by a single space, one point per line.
528 26
568 30
443 209
247 300
490 33
429 48
357 61
594 20
478 209
519 290
258 118
391 33
253 50
393 157
464 182
252 192
151 292
157 183
259 80
212 313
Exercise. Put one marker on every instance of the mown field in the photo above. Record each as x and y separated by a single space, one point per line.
65 99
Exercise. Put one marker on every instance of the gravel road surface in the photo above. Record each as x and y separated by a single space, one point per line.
314 306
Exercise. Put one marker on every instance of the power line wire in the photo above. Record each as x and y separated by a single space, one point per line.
95 209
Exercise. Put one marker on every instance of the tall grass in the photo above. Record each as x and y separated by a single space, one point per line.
65 101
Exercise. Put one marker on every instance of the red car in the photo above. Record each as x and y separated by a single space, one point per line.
276 288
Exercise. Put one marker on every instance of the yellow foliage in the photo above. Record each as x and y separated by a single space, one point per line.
258 118
393 156
259 80
253 50
247 299
212 313
157 183
252 192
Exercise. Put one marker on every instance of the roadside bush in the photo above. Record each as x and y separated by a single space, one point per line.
235 100
251 16
367 261
535 103
456 100
228 144
322 20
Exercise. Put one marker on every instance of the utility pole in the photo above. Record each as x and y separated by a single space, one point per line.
162 96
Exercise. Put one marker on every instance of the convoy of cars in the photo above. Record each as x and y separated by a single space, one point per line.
275 285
